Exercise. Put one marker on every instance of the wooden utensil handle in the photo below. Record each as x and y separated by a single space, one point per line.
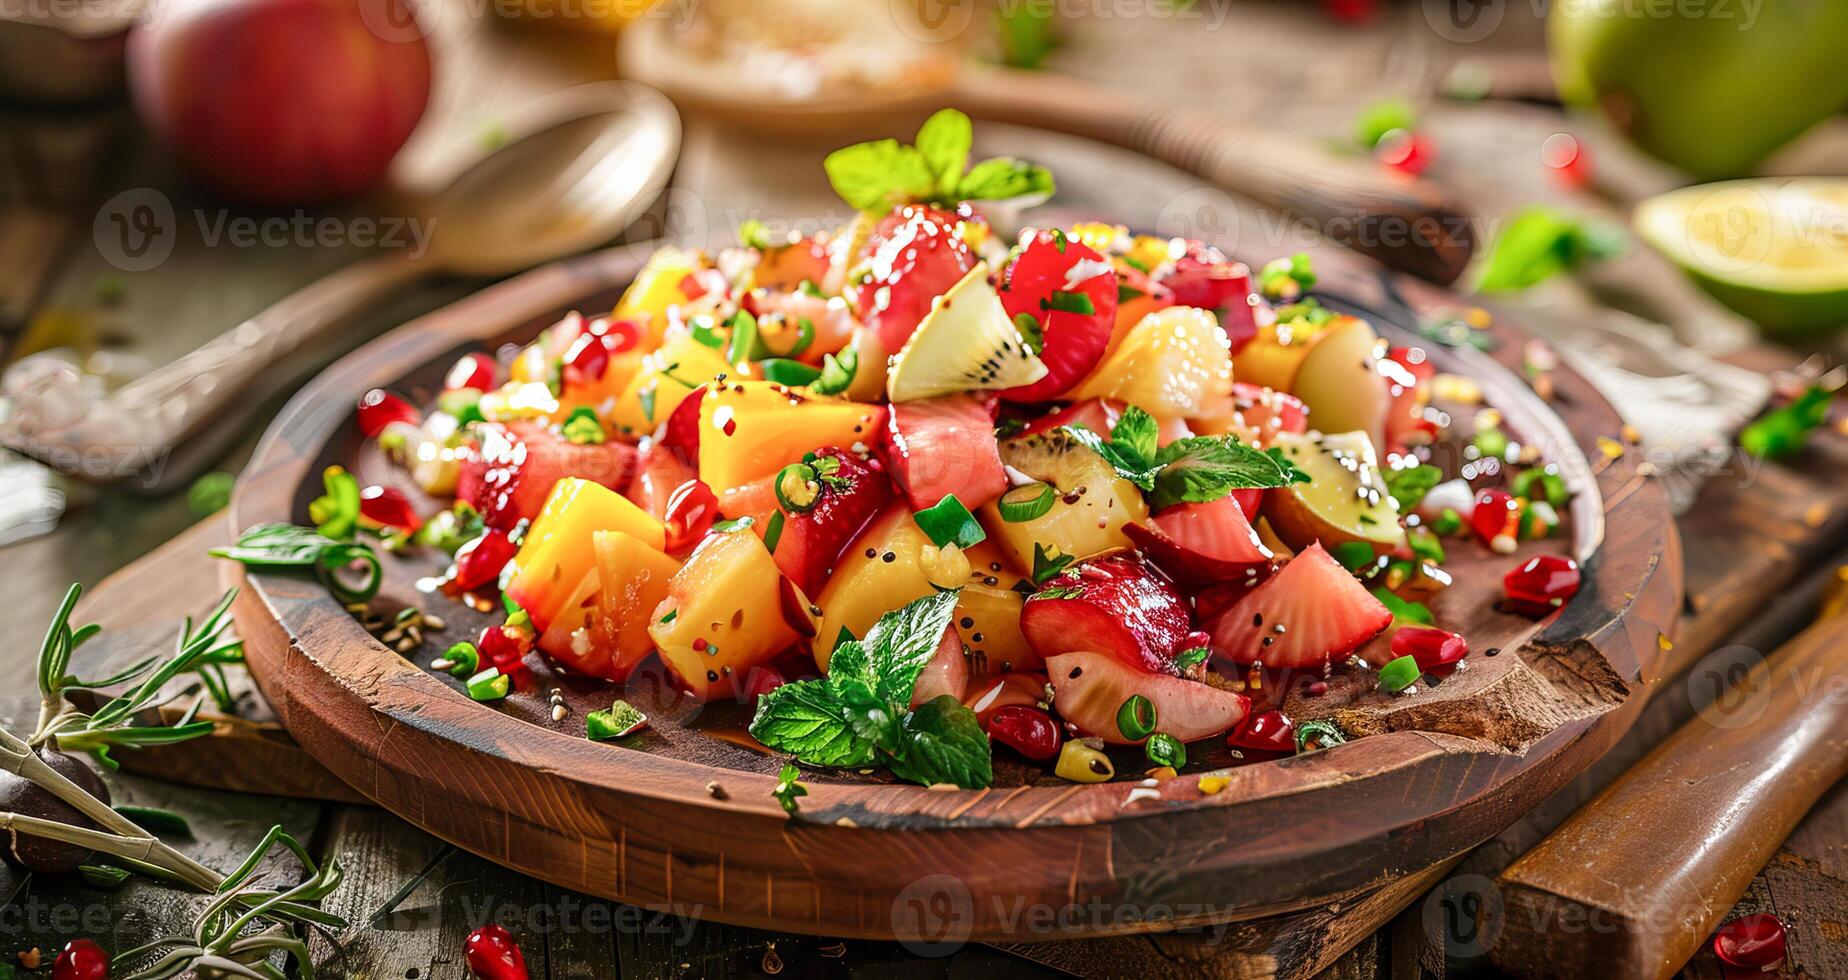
1635 881
141 424
1404 222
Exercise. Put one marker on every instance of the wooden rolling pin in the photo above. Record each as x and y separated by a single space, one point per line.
1635 882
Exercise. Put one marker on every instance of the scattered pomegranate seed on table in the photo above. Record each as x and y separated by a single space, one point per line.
1268 733
1027 730
1430 648
493 955
389 507
1497 520
1752 942
83 959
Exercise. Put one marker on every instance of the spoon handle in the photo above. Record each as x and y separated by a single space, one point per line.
139 427
1404 222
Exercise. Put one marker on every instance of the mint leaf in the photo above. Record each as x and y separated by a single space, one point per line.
903 641
789 788
1538 243
877 175
1001 178
1136 432
1409 486
1128 464
1200 469
1048 563
1404 611
942 742
944 140
808 720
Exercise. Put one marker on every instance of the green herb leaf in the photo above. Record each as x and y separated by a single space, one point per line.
1408 486
276 547
878 175
753 233
1129 464
1136 433
789 788
1404 611
1047 563
209 494
155 820
942 742
1425 544
336 513
1003 178
1355 556
1785 431
809 720
944 140
581 427
1200 469
903 641
1288 278
105 876
783 371
1539 243
1069 302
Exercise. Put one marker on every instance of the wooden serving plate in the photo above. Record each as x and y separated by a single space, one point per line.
688 820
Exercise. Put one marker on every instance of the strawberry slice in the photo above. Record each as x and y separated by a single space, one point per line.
1310 613
660 472
1267 411
1205 278
1090 688
1070 290
509 470
1204 544
942 446
915 254
1118 605
812 540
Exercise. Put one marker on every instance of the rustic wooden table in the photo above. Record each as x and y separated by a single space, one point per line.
1757 548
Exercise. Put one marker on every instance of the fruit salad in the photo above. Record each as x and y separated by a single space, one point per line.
920 492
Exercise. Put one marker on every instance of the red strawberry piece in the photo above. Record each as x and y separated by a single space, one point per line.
1204 544
475 370
510 469
1542 584
916 254
813 540
588 358
1205 278
1308 614
1406 369
1118 605
1269 411
388 507
1052 281
1432 649
379 408
1268 733
479 562
942 446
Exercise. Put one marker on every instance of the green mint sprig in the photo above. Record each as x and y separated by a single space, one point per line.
1194 470
859 714
882 174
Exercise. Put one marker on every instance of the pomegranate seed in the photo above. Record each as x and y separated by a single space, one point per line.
1753 942
388 507
379 408
1269 732
761 681
1541 584
1027 730
479 562
493 955
588 359
626 334
690 512
1352 11
1431 648
1406 152
1565 157
1497 520
83 959
472 371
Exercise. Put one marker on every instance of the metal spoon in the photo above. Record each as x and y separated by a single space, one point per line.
582 166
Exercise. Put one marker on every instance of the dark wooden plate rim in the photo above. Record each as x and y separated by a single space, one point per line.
664 832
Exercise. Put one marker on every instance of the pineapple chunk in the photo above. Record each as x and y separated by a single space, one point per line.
557 552
1173 363
722 616
664 379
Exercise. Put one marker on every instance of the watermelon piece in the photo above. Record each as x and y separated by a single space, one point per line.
942 446
510 468
1307 615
